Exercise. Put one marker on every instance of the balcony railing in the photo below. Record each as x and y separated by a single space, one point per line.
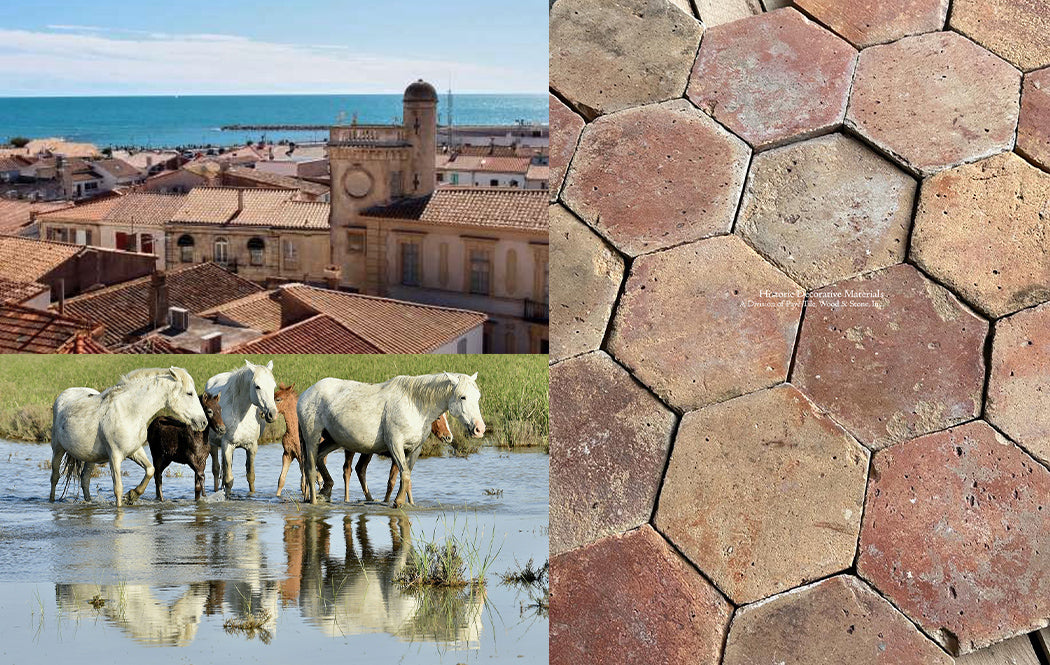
367 134
537 312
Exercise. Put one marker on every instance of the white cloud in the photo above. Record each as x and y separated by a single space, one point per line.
79 60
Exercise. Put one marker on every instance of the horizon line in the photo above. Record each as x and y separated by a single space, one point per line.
245 94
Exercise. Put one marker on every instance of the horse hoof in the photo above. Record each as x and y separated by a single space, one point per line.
130 498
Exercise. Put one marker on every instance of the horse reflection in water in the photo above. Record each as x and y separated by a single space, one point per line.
350 590
357 594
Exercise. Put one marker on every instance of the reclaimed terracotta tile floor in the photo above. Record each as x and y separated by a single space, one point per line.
800 385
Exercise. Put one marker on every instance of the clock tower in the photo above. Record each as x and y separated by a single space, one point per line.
375 165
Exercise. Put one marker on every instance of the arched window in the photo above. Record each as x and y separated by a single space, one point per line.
185 244
222 250
256 249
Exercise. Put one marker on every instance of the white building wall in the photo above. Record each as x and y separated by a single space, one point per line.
474 340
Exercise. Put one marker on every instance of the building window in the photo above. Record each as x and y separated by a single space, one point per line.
410 263
513 183
90 186
461 345
395 183
512 272
256 251
125 241
509 342
480 271
355 242
455 178
291 254
441 177
494 183
222 250
186 248
146 241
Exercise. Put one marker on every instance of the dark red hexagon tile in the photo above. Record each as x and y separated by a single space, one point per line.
633 599
609 443
957 534
899 357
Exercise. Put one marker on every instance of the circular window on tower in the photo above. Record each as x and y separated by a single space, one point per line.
357 182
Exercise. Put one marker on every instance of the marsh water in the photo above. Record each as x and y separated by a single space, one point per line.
169 580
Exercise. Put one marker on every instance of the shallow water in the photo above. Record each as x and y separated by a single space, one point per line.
172 573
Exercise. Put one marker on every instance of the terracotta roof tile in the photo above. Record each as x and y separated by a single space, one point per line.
317 334
24 259
260 311
538 172
124 308
479 207
262 207
12 291
27 330
118 168
16 214
141 209
392 326
82 343
487 164
276 180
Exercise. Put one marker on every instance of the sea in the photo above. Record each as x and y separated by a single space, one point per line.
167 122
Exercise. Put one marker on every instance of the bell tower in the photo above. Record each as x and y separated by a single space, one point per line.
373 165
420 104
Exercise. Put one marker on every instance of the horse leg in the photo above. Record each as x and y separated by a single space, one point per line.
322 468
310 460
227 467
57 453
215 466
142 459
397 452
411 467
115 458
347 458
361 468
85 479
198 478
390 481
249 468
162 464
286 461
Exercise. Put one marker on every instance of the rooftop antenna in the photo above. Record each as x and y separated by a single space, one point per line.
451 142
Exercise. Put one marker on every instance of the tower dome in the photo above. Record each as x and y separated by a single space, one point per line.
420 91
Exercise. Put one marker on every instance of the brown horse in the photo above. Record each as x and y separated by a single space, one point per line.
172 440
438 428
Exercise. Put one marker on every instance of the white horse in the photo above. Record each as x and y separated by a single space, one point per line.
246 394
393 417
92 427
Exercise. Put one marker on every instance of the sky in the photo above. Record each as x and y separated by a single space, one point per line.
161 47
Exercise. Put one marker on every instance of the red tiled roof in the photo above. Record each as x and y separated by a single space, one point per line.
27 260
12 291
140 209
392 326
272 208
317 334
273 180
118 168
16 214
89 211
260 311
13 162
124 308
538 172
82 343
486 164
27 330
478 207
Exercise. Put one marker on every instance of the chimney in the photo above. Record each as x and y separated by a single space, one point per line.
332 276
158 299
61 296
240 201
149 162
211 343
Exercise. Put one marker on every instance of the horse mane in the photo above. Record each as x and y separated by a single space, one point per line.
426 389
135 377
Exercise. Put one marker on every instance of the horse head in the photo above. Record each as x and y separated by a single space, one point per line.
183 400
261 391
440 429
210 404
463 403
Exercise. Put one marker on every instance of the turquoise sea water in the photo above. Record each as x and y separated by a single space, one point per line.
196 120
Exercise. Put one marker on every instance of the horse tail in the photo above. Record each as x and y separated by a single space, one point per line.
71 467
